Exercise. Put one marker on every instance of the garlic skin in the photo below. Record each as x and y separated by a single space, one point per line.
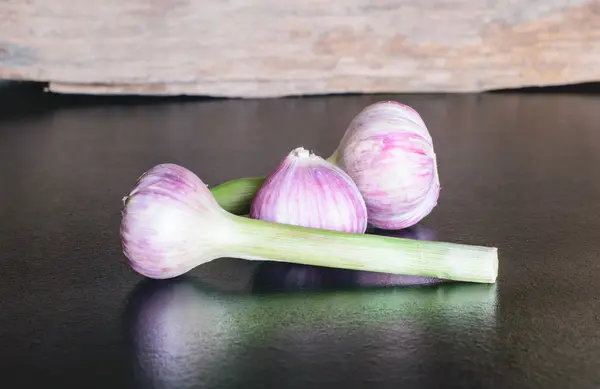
388 152
305 190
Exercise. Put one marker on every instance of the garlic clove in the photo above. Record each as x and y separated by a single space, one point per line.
305 190
388 152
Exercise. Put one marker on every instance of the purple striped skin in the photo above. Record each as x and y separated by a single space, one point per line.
388 152
305 190
163 222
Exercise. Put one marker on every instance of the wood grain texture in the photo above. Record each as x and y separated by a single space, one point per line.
270 48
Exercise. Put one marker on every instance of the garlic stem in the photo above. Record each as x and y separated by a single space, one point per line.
236 196
333 158
260 240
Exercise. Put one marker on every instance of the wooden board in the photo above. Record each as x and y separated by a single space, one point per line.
271 48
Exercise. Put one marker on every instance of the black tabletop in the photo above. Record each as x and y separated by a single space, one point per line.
518 171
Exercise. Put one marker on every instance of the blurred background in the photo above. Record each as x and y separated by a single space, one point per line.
270 48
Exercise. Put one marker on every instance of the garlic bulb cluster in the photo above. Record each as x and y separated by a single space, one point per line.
388 152
171 223
306 190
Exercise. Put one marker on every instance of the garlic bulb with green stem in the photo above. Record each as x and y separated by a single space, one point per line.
306 190
171 223
388 152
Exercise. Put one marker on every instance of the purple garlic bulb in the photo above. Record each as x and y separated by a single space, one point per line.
388 152
305 190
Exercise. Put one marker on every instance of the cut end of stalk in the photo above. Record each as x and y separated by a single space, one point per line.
474 264
492 255
494 260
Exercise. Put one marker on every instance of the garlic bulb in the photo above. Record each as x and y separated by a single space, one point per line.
388 152
168 216
306 190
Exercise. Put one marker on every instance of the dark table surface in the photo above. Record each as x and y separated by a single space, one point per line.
518 171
